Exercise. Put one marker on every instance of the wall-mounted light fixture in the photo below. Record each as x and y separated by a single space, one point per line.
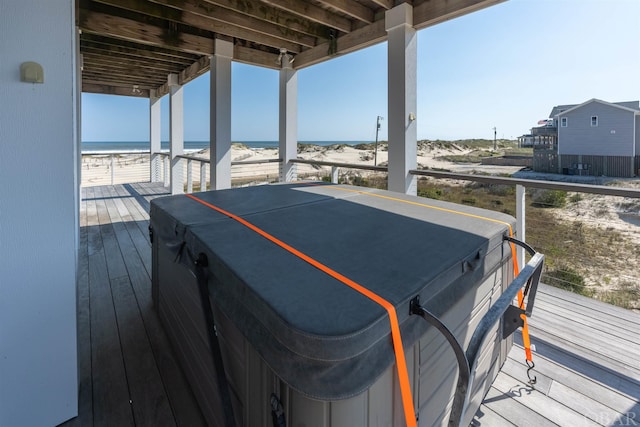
412 117
31 72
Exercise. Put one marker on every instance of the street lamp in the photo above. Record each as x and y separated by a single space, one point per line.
375 154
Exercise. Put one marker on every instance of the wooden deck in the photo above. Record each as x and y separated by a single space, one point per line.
587 353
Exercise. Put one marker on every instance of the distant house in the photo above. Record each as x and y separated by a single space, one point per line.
593 138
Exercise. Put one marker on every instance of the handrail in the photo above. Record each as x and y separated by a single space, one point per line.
112 153
547 185
187 157
341 165
491 179
234 163
255 162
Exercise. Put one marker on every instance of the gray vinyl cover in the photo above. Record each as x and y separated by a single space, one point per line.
321 337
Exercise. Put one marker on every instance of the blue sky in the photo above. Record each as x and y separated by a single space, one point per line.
505 66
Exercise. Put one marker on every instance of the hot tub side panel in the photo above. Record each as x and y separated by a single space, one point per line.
430 360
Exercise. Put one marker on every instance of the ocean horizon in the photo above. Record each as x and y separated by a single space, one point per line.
92 147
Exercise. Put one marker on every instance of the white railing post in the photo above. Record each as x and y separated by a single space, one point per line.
166 171
334 174
189 176
154 136
113 169
203 176
520 220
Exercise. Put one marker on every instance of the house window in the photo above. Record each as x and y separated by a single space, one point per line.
563 122
594 121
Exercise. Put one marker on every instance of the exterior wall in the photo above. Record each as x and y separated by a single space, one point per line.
579 137
38 215
545 161
618 166
637 153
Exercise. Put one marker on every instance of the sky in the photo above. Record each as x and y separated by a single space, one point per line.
505 66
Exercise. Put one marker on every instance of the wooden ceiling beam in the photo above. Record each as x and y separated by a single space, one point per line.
386 4
307 10
129 29
358 39
211 11
261 11
255 57
193 71
433 12
209 23
352 8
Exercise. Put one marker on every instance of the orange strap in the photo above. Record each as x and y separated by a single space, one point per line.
403 375
516 270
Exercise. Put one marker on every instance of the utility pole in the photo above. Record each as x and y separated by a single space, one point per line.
495 147
375 155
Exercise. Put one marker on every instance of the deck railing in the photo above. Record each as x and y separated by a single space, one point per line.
572 261
115 168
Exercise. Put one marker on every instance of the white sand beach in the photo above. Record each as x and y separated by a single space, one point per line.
101 169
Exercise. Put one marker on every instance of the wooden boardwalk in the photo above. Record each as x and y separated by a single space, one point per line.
587 353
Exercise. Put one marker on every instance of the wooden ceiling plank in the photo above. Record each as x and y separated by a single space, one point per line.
352 8
129 29
107 58
261 11
104 80
124 79
205 23
139 54
436 11
314 13
142 49
131 56
113 90
217 13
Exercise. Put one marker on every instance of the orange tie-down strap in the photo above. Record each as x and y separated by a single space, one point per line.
401 364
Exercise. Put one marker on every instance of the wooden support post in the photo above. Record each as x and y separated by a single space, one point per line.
402 104
176 131
154 136
288 120
220 121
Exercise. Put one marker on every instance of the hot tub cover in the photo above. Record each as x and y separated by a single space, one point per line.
323 338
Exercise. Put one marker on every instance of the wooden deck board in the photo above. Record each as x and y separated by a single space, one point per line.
586 351
586 362
128 374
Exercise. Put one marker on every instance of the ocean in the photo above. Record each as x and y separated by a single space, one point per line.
89 147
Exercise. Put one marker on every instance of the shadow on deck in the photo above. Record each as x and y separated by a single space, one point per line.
587 366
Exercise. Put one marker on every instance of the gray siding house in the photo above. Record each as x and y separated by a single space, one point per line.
597 138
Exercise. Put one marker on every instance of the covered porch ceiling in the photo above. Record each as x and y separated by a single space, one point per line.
129 47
